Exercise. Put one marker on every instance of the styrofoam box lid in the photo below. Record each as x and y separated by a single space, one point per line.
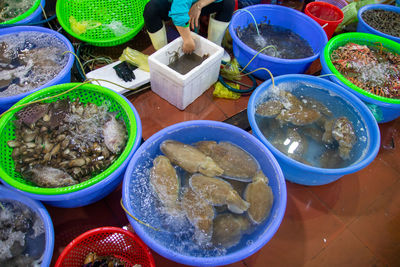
203 46
108 73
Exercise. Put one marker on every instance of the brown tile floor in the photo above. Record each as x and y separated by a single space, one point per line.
354 221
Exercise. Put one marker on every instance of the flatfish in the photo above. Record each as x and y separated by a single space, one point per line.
165 182
190 158
218 192
236 163
199 213
259 195
229 228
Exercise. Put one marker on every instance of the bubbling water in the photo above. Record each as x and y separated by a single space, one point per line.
10 9
28 60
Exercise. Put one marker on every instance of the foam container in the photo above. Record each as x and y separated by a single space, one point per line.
181 90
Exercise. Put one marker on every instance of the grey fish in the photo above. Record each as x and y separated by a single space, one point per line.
45 176
190 158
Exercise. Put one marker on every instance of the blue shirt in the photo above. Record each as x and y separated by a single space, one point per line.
179 12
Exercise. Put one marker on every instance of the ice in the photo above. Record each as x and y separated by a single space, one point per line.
10 9
28 60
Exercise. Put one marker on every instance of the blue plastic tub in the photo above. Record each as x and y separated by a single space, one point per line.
96 191
190 132
38 208
63 77
285 17
362 26
366 128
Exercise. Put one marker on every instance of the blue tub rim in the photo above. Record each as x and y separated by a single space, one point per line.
364 111
373 30
39 209
210 261
67 68
251 51
80 194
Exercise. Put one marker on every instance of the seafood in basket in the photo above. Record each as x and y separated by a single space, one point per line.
64 143
305 129
217 186
22 241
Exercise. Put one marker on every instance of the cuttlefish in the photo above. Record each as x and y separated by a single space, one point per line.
218 192
341 130
228 229
165 183
199 213
236 163
190 158
259 195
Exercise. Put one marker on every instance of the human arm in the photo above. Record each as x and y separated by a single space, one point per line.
188 42
195 11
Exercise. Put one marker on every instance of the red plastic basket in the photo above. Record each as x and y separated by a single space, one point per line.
107 241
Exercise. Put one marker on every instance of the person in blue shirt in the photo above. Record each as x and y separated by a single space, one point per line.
185 14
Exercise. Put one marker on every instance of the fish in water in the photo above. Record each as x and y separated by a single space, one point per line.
218 192
342 131
190 158
270 109
228 229
114 133
165 183
259 195
45 176
200 214
236 163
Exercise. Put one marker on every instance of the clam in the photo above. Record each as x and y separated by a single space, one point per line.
259 195
218 192
165 182
199 213
190 158
228 229
236 163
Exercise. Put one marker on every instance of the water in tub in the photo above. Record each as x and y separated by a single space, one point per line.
194 214
10 9
28 60
280 42
312 125
22 235
186 62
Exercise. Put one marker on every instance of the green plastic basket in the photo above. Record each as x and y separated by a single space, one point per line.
23 15
370 40
128 12
86 93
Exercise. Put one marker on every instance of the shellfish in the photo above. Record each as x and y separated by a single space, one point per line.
228 229
190 158
236 163
165 182
259 195
218 192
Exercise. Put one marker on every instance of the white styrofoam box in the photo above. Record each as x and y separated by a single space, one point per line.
108 73
181 90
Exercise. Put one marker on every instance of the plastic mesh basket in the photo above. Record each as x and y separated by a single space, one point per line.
102 13
25 14
107 241
86 93
370 40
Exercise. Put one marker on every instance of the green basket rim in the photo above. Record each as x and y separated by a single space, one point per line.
365 37
25 14
61 16
53 90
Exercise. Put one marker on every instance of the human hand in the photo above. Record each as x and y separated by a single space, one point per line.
194 14
188 45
